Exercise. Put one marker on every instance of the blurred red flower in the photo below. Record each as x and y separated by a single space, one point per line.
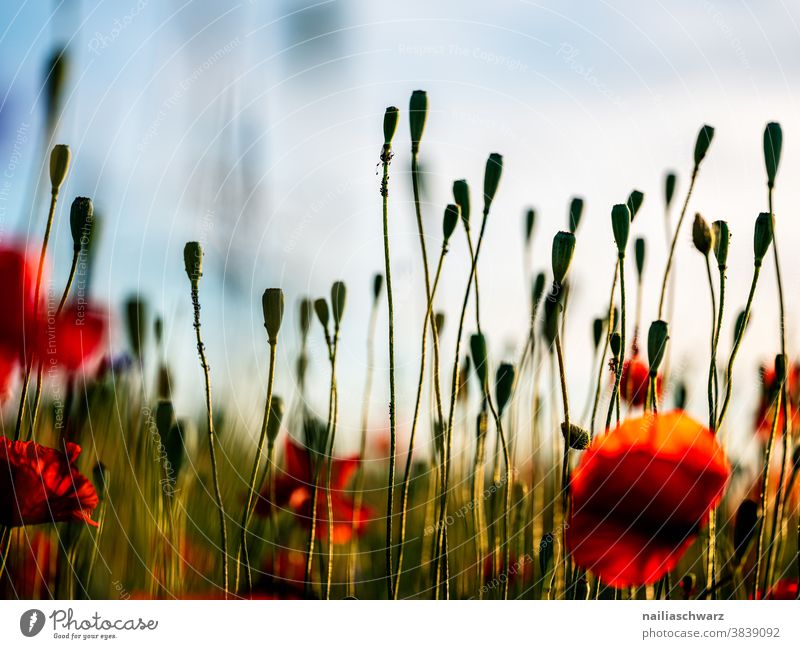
640 495
293 489
67 340
31 569
783 589
41 485
633 384
769 393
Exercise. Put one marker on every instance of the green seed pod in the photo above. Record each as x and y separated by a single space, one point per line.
575 214
762 236
634 202
461 197
306 309
504 385
578 437
597 332
722 239
321 309
450 221
390 118
275 417
563 250
670 181
272 306
100 478
704 138
491 179
744 528
59 166
657 339
377 286
537 289
438 321
773 142
681 395
80 221
702 237
193 261
136 324
616 344
338 300
480 359
530 220
417 114
621 225
639 249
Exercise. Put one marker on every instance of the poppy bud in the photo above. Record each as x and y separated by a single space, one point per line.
461 197
563 249
59 165
688 584
575 214
773 142
193 261
615 341
491 178
597 331
450 221
55 75
315 436
681 394
530 220
578 437
657 339
100 476
762 236
634 203
504 384
480 361
158 329
321 309
780 368
538 289
639 248
136 324
417 114
550 322
704 138
275 417
741 324
621 224
701 235
338 300
80 218
165 417
175 447
438 320
463 379
272 306
389 125
306 308
744 528
722 239
669 187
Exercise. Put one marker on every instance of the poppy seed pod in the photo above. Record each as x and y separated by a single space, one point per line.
621 225
80 220
491 179
597 331
450 221
704 138
762 236
306 309
59 166
773 142
575 214
461 197
702 238
563 250
578 437
193 260
272 306
538 289
321 309
721 236
657 339
744 528
417 114
338 301
669 187
634 202
438 320
480 361
615 342
377 286
530 220
504 384
390 118
275 417
639 249
136 324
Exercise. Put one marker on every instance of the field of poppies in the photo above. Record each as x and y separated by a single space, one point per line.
107 492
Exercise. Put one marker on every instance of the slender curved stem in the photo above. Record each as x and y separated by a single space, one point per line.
762 528
565 462
609 331
331 439
621 365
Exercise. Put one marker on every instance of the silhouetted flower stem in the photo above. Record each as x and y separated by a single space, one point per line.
621 363
602 366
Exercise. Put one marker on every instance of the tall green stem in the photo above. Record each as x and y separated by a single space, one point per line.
331 439
609 331
621 364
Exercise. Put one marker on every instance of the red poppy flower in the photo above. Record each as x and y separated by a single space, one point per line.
769 393
67 340
41 485
633 384
783 589
293 491
640 495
